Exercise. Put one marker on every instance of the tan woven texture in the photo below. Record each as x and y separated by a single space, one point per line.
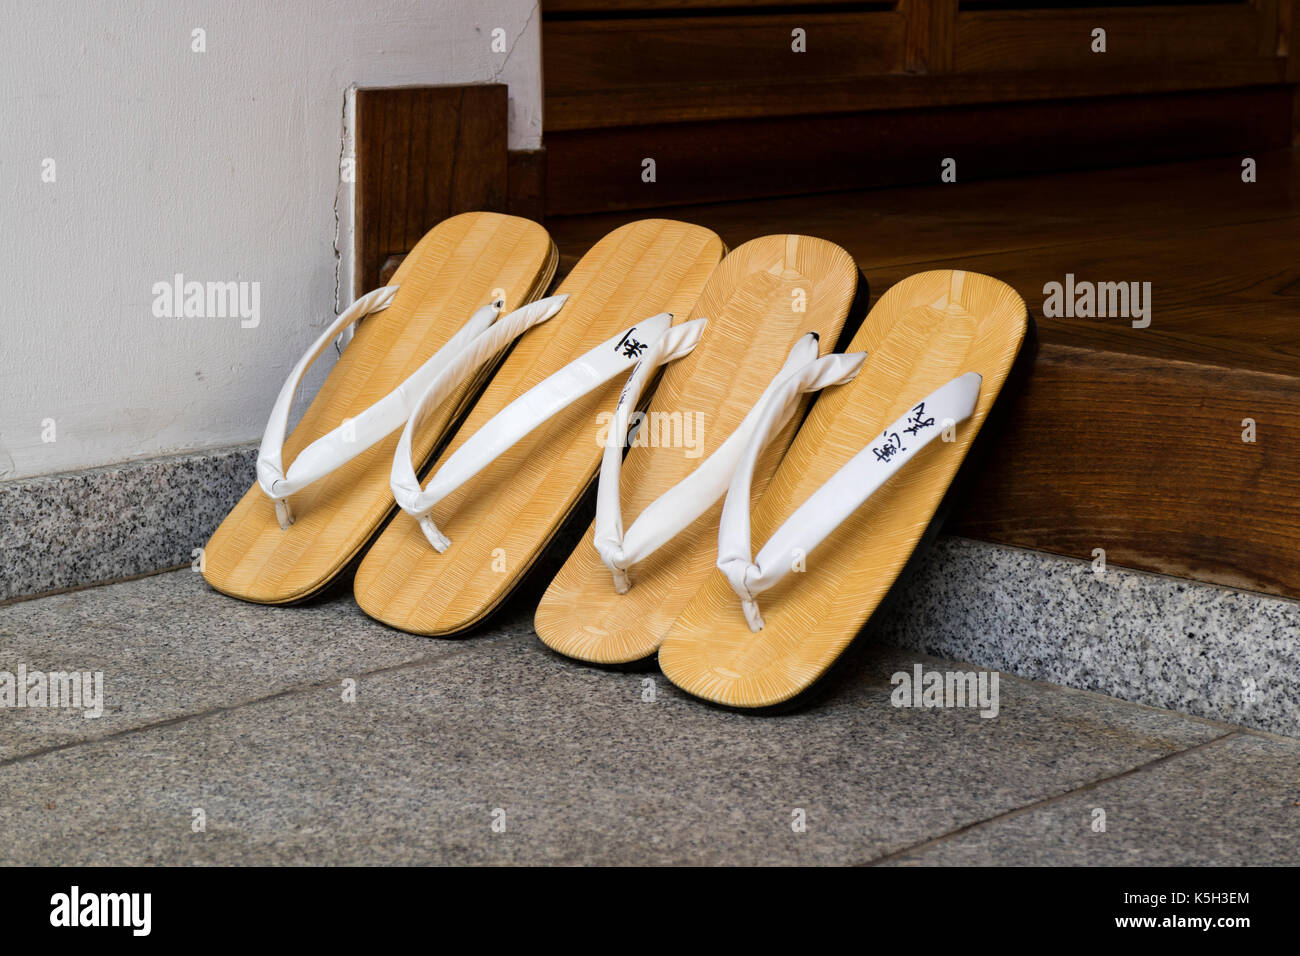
764 297
457 268
925 331
500 521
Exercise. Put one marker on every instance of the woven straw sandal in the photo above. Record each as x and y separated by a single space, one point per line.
863 483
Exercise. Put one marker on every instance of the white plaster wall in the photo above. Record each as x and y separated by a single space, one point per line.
220 165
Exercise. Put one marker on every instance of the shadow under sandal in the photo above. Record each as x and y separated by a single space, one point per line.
300 527
853 497
772 306
529 449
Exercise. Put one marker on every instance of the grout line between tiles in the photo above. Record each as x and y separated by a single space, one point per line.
1046 801
74 588
440 655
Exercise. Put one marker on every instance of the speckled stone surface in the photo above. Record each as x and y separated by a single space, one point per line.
1198 649
62 531
1166 642
442 733
1232 802
169 646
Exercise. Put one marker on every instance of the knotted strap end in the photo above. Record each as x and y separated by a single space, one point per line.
622 583
283 513
436 538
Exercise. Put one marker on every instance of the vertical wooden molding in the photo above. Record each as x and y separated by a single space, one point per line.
526 183
1288 45
1288 37
424 153
931 32
1268 31
1295 116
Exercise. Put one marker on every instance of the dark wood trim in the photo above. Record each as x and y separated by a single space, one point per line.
1295 116
526 183
423 154
1137 38
666 54
663 62
930 33
607 9
1288 38
526 196
677 80
1145 459
645 106
1270 31
600 170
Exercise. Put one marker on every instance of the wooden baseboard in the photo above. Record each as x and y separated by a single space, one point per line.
1144 459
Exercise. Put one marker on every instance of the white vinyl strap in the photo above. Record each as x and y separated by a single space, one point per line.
679 507
831 504
356 435
270 464
544 400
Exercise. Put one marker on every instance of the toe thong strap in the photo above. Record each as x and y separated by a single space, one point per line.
831 504
510 425
679 507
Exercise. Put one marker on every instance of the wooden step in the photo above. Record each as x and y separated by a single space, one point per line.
1125 439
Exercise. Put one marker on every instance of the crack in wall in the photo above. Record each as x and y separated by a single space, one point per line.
338 189
505 60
